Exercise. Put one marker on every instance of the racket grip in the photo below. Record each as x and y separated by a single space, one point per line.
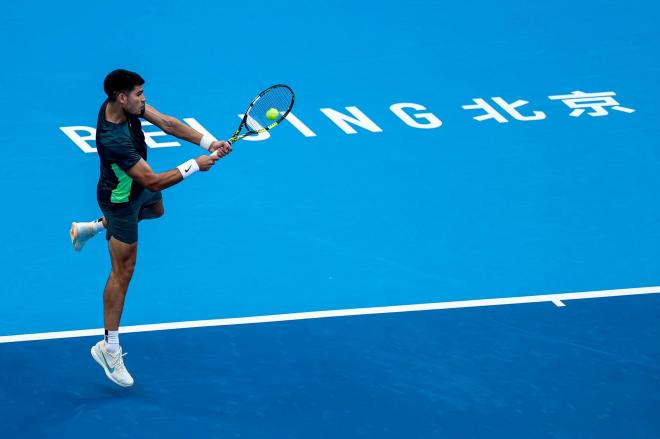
215 153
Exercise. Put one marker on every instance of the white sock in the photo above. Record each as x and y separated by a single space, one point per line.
111 341
97 226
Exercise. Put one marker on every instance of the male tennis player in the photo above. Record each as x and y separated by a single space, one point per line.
129 191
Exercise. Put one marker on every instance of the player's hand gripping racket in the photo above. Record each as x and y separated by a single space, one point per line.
265 112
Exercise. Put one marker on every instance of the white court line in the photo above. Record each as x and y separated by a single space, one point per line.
557 299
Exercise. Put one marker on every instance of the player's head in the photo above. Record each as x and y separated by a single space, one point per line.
125 88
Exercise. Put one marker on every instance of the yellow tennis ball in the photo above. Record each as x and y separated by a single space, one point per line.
272 113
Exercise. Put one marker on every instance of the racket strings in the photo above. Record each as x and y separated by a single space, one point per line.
278 97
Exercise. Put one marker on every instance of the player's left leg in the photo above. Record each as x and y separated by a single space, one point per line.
149 203
152 211
80 233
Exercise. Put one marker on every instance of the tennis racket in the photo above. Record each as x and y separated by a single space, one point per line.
255 121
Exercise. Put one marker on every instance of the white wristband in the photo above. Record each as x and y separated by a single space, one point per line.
188 168
206 141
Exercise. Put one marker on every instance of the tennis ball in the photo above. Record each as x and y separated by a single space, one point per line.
272 113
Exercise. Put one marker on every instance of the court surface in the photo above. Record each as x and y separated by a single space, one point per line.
457 235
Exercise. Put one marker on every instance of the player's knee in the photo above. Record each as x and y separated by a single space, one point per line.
124 273
159 210
152 212
129 269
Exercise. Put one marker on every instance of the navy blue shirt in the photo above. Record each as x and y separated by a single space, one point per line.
120 146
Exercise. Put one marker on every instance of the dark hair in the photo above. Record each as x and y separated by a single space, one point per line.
120 81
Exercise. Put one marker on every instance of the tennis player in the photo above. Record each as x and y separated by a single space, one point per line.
129 191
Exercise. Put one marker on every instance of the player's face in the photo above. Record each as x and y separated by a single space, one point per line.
134 101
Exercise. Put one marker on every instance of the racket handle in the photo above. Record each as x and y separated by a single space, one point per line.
215 153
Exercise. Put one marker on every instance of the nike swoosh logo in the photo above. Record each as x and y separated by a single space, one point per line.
110 369
186 171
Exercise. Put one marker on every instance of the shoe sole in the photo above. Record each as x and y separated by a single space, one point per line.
98 360
73 233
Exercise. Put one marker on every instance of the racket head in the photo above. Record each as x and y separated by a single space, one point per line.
278 96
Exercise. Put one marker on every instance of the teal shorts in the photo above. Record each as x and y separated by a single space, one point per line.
123 218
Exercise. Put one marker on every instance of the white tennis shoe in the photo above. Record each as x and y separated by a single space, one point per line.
80 233
112 364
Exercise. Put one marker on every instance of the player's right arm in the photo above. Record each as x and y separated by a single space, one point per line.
173 126
143 174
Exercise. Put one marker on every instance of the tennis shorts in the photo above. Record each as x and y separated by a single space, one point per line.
123 218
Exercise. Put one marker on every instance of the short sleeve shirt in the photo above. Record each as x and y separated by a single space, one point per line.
120 146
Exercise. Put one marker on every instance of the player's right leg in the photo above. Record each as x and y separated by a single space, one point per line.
108 352
122 235
122 225
123 257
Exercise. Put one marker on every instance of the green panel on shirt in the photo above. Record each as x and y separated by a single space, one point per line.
121 193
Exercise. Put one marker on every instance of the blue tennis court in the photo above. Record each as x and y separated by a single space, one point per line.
456 234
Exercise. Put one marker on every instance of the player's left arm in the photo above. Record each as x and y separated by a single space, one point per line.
173 126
